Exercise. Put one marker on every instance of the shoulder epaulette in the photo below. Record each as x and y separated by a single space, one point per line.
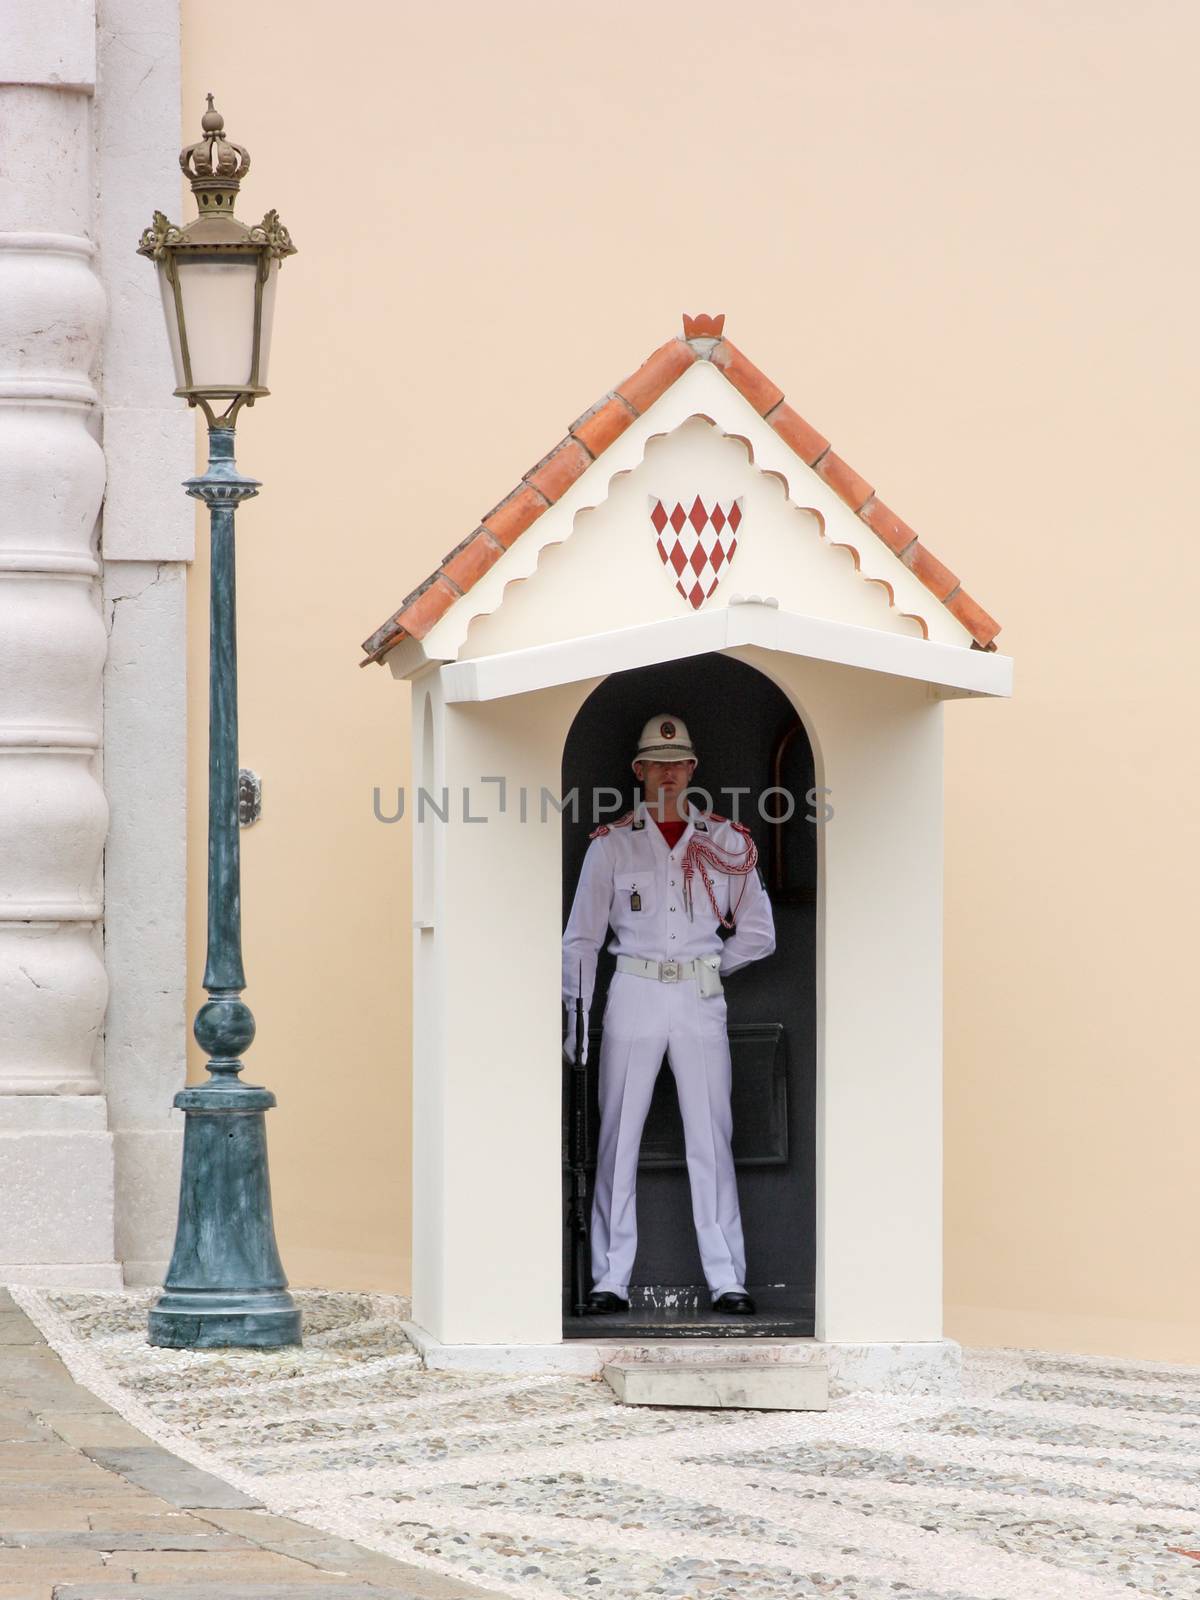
605 827
740 826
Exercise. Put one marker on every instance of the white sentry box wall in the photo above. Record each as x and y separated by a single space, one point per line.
487 1066
497 684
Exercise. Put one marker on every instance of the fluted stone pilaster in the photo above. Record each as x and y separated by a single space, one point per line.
53 812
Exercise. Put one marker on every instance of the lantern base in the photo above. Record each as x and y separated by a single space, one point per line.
208 401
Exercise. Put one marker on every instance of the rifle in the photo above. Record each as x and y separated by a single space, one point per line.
577 1159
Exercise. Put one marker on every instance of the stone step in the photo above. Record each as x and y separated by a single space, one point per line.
771 1386
623 1351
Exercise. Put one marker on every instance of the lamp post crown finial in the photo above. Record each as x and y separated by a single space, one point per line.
214 165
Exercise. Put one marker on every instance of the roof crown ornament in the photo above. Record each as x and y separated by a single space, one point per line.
213 165
703 326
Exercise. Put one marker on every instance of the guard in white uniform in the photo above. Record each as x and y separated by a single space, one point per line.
664 902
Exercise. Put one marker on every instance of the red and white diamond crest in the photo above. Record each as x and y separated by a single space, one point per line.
696 544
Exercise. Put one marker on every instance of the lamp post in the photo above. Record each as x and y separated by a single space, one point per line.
225 1284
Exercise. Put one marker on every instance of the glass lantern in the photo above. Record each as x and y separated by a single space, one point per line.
217 278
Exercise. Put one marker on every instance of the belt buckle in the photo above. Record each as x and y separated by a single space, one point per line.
669 971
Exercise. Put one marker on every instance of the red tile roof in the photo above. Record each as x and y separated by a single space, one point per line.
592 433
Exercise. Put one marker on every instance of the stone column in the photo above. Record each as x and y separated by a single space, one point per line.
56 1167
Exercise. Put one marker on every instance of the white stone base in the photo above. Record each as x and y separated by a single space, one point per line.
738 1386
64 1275
144 1274
56 1192
147 1199
933 1367
929 1367
570 1356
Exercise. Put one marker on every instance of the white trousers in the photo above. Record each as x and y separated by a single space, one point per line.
642 1018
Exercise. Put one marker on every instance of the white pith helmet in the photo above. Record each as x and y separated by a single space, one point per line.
665 738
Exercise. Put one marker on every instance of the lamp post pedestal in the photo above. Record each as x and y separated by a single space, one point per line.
225 1285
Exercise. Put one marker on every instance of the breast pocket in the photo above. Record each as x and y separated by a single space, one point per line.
635 895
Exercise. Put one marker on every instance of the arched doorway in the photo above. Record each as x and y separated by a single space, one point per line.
749 738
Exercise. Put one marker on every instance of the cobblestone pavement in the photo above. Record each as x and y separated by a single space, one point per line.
1046 1478
93 1509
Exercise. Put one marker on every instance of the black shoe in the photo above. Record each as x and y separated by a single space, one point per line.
600 1303
736 1301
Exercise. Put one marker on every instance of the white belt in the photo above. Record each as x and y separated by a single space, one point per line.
664 971
673 971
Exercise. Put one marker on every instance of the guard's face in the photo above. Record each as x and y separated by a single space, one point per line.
667 779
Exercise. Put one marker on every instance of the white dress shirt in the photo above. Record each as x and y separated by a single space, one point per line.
632 882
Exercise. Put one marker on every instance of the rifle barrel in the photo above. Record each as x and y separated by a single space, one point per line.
580 1262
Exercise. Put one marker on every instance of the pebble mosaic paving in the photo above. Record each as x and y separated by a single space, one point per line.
1045 1478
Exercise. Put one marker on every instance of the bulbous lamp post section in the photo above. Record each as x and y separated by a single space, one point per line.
225 1284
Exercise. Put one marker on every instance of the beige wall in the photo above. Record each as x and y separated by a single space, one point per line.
961 238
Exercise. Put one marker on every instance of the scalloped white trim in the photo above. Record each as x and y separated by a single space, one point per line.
703 393
537 549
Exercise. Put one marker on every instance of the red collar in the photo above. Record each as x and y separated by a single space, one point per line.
672 831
